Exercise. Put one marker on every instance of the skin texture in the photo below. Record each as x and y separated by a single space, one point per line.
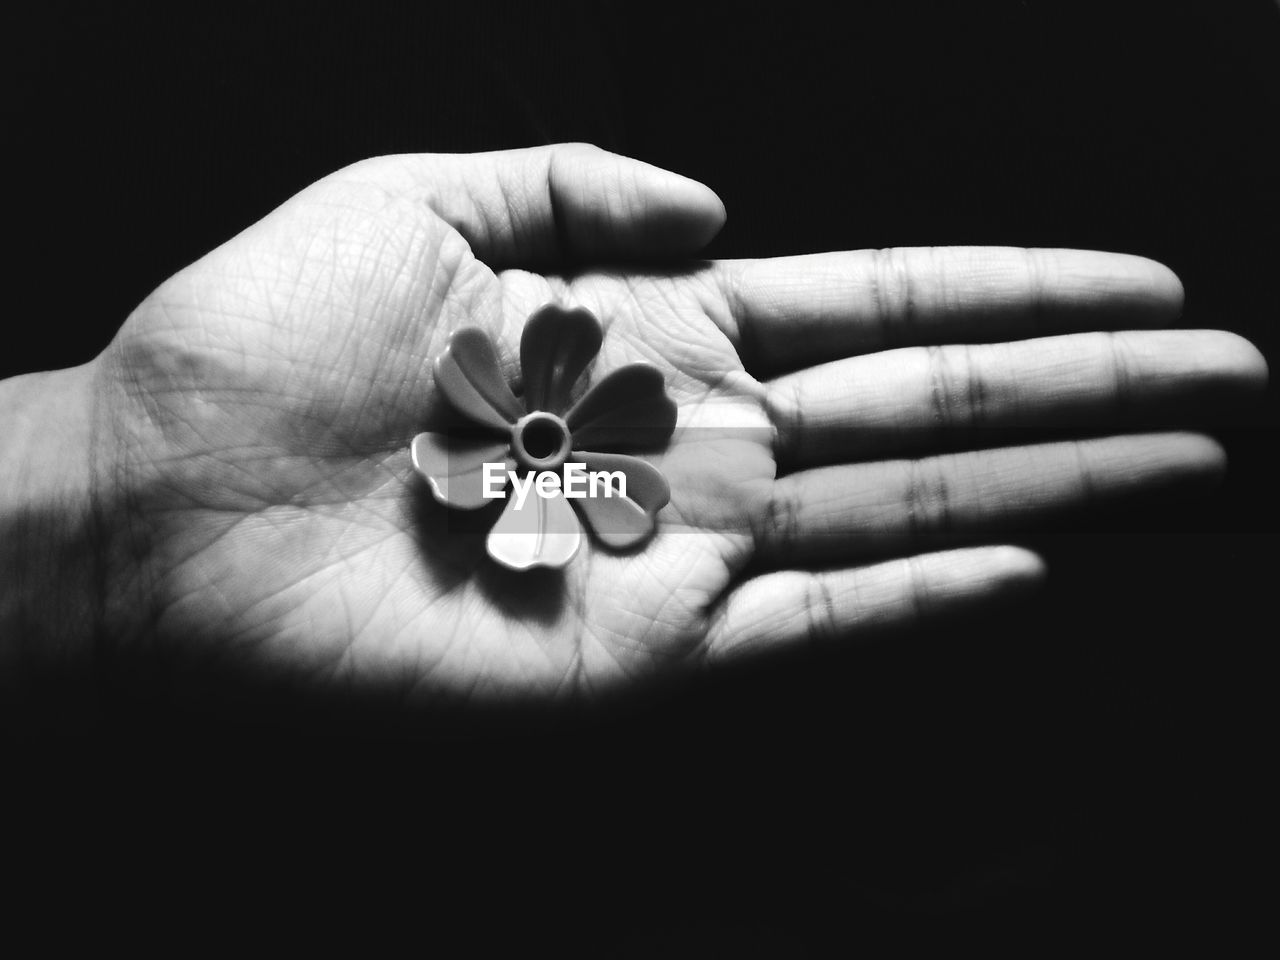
247 495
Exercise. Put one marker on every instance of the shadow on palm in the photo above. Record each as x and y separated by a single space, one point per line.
452 546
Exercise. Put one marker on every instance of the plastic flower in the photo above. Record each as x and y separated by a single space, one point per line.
542 431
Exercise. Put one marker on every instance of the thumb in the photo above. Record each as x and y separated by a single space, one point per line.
564 205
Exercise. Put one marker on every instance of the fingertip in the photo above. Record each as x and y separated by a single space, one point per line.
1211 457
706 202
1148 291
979 574
1165 285
1193 459
615 205
683 213
1125 287
1244 362
1020 569
1227 372
994 569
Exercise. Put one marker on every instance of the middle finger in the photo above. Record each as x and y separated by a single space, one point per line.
924 398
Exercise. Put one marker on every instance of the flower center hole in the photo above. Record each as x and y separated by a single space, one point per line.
542 438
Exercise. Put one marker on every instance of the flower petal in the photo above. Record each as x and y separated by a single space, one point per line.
628 409
454 467
470 377
542 532
556 346
623 521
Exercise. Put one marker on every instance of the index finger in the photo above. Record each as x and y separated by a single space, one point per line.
791 312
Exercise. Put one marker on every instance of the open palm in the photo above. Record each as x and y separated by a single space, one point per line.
254 418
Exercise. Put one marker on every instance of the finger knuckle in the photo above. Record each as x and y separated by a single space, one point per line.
821 621
893 293
781 520
928 498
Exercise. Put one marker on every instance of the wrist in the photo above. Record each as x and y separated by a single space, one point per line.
49 605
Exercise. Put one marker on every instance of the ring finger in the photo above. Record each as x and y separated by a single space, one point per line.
869 510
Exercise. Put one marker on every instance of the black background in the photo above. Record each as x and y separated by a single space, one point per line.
1091 759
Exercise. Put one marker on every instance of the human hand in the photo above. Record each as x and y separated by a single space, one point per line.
250 470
